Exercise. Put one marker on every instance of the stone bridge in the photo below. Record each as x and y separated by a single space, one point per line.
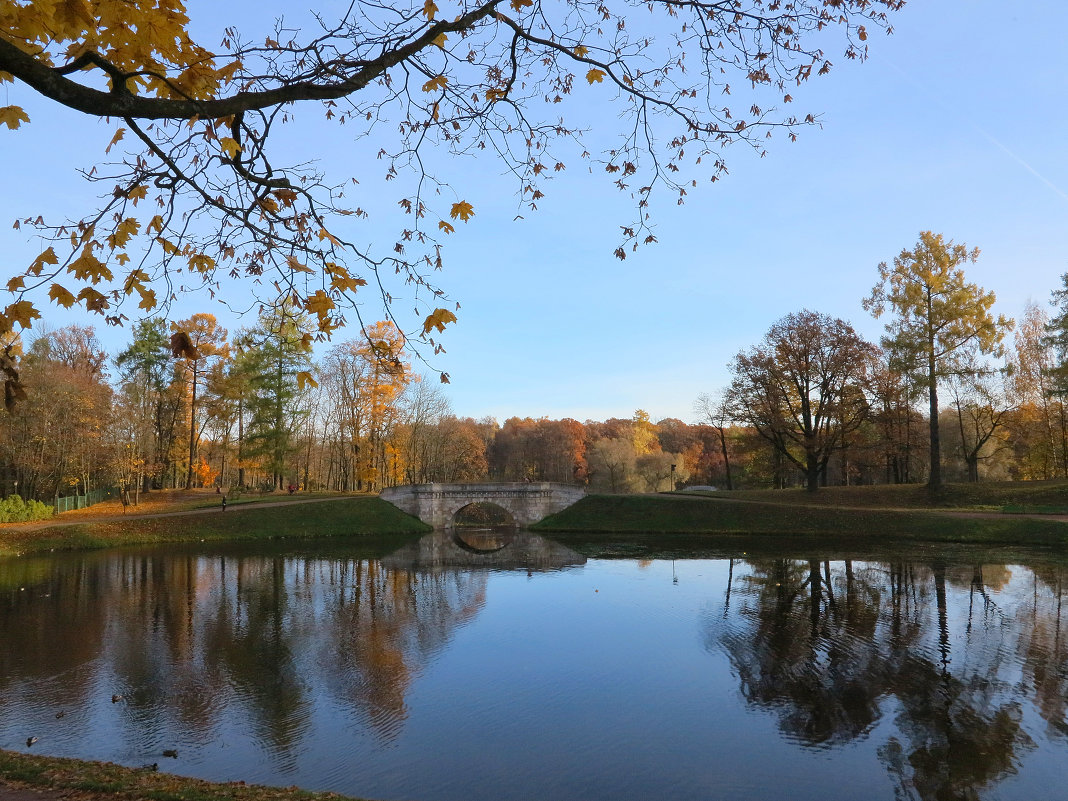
437 504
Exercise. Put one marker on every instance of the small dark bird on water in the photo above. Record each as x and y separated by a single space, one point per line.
153 766
60 714
170 752
116 698
30 741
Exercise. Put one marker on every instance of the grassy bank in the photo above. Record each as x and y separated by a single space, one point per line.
684 514
1049 497
71 778
331 518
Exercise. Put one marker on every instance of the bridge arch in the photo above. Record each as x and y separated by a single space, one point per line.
437 504
483 514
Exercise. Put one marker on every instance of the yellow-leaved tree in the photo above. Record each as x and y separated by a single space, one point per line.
198 194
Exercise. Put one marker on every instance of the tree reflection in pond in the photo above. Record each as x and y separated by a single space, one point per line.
830 648
430 670
175 633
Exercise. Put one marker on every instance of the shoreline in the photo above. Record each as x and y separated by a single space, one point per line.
28 777
779 516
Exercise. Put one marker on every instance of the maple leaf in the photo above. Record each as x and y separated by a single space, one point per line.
16 283
201 263
148 299
595 75
438 319
22 312
13 116
296 266
580 51
430 8
440 40
447 227
440 82
462 210
229 146
61 296
48 257
319 304
123 231
519 5
324 234
94 301
304 379
114 140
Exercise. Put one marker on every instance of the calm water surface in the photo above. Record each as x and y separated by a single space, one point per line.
497 670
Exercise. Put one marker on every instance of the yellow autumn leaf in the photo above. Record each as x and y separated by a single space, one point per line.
462 210
61 296
48 257
319 304
595 75
16 283
324 234
93 300
115 139
440 82
230 146
519 5
447 227
22 312
430 8
438 319
580 50
297 267
440 40
88 267
13 116
341 280
304 379
123 232
148 299
201 263
137 193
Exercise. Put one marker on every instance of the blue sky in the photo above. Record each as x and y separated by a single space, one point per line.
956 124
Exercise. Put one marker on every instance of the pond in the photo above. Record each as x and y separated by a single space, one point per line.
517 668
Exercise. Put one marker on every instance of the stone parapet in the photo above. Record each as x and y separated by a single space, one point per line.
527 503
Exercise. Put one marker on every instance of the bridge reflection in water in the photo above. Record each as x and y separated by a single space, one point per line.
485 548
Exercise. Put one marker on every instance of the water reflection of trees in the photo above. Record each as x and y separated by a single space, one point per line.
189 640
832 648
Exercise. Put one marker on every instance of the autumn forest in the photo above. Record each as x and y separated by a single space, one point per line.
812 404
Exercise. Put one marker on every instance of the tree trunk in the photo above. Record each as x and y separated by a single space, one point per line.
192 429
726 458
812 473
935 480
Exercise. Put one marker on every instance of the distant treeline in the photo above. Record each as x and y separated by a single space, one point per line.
189 405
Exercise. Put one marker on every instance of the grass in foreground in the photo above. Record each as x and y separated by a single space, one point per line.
106 780
336 518
667 514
